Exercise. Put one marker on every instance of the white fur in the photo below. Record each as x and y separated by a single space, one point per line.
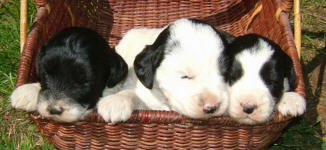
135 41
250 89
119 106
25 97
196 56
130 45
292 104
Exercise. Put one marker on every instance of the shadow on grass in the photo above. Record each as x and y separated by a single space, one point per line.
319 34
301 132
313 73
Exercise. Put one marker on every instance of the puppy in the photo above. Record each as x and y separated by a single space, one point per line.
175 67
261 76
73 68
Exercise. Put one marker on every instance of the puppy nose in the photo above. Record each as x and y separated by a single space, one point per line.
249 108
55 111
209 109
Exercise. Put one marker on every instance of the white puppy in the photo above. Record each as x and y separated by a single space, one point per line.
260 75
171 68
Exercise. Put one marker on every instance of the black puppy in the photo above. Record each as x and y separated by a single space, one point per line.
261 76
73 69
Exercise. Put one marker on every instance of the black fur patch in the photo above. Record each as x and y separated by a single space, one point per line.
236 72
78 63
273 72
149 59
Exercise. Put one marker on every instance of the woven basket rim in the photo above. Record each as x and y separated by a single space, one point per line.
168 117
150 129
144 116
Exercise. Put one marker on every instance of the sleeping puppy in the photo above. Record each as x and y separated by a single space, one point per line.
171 68
261 76
73 68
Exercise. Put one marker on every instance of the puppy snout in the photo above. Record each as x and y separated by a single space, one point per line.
55 111
210 102
209 109
249 108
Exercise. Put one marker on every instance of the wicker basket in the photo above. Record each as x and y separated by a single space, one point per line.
159 129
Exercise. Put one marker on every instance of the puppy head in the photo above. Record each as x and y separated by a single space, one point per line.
182 63
258 71
73 69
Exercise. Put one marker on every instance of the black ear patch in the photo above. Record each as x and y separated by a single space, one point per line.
235 72
226 37
230 68
292 78
273 77
118 68
288 69
277 69
284 64
40 71
150 58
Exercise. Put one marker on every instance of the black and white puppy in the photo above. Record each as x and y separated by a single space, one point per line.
73 68
261 76
171 68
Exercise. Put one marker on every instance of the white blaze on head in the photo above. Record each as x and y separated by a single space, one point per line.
250 99
189 75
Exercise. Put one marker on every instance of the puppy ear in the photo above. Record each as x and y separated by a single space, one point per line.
146 63
227 38
118 68
290 75
285 63
40 71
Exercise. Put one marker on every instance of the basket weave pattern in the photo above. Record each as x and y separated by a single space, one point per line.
159 129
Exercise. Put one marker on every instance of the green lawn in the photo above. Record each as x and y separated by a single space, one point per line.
18 132
16 129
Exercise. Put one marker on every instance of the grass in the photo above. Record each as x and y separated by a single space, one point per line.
18 132
305 132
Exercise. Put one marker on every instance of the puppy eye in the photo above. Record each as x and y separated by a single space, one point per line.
186 77
271 82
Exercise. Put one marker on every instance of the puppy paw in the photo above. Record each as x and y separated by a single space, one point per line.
292 104
115 108
25 97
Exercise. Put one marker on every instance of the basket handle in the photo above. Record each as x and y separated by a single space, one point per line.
23 24
256 11
286 6
297 26
24 20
